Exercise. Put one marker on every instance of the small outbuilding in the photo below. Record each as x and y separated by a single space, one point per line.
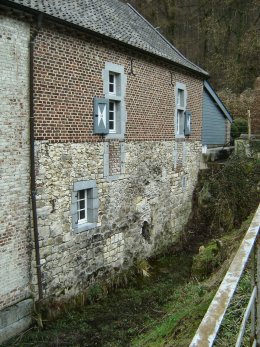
216 120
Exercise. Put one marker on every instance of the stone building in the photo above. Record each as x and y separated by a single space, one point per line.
100 127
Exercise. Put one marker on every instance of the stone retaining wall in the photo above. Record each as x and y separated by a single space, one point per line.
140 212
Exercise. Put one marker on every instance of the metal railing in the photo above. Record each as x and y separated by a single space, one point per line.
209 327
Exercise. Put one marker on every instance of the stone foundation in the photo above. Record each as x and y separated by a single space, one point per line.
140 212
15 319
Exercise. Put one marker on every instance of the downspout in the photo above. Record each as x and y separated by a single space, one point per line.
32 159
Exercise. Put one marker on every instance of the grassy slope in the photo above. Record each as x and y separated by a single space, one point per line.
162 310
189 304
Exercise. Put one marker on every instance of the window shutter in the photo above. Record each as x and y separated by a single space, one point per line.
74 213
187 123
100 115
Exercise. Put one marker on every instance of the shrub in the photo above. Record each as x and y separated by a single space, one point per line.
238 127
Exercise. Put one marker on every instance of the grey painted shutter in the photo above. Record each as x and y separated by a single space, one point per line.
100 116
74 213
187 123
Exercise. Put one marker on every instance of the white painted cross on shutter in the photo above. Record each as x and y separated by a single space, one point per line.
100 116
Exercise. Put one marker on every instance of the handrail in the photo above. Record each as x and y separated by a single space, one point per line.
209 326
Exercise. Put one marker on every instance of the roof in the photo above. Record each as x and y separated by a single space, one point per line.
112 19
217 100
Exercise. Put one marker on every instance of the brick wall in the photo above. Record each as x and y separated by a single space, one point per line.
114 158
68 74
14 174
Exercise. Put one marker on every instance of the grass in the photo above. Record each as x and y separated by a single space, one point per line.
234 315
159 310
187 306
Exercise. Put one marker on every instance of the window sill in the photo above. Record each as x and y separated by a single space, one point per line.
86 226
114 136
114 177
179 137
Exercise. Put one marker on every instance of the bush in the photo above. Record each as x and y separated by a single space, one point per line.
238 127
225 195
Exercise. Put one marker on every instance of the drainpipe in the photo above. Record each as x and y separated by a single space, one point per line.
32 159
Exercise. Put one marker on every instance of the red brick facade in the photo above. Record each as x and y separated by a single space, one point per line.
68 74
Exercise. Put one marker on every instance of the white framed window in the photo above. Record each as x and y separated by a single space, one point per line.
85 204
112 83
82 206
180 122
112 116
114 80
180 97
181 102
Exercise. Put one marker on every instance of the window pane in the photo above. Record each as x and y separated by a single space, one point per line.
180 98
111 88
111 106
111 125
180 122
111 78
82 204
82 214
111 116
81 194
112 83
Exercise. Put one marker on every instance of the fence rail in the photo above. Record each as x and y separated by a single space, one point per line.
209 326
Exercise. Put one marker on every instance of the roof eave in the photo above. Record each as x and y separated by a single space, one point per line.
102 36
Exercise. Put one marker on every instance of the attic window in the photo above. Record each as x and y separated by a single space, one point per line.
112 83
182 116
180 98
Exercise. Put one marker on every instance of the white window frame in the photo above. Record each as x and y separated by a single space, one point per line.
91 206
112 84
180 109
114 113
85 208
117 95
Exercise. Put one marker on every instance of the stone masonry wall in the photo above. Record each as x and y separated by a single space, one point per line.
14 178
150 193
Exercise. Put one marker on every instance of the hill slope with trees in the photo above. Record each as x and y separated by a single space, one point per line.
222 36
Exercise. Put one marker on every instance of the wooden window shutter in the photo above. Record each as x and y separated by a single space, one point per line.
100 116
187 123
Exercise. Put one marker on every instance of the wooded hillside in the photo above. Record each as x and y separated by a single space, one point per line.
222 36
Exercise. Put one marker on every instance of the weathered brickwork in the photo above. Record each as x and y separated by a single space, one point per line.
149 194
114 158
14 172
68 74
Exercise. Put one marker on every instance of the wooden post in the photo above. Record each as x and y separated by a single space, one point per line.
249 124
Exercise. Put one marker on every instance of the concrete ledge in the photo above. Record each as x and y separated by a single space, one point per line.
218 153
15 319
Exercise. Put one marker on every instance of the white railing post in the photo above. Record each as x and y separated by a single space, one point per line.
258 291
210 324
253 284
